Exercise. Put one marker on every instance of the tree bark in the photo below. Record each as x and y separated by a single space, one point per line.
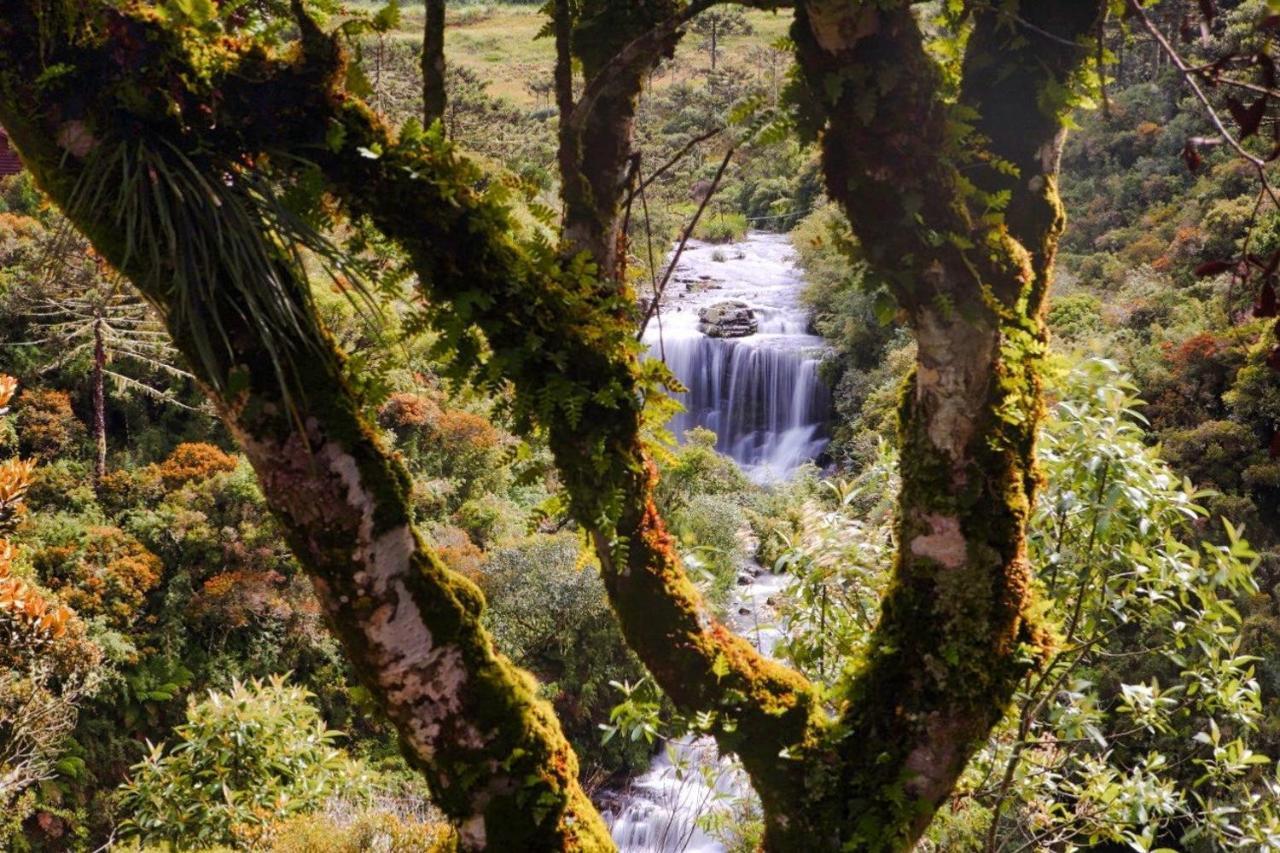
433 63
99 404
492 752
956 630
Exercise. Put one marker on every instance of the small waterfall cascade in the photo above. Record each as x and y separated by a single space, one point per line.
760 393
762 396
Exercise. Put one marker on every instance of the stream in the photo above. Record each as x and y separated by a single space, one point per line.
762 397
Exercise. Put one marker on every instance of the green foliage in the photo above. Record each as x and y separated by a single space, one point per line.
839 548
870 355
1141 728
243 758
721 228
368 830
548 611
1144 726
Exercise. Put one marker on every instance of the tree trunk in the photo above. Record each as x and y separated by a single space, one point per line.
99 404
956 631
433 67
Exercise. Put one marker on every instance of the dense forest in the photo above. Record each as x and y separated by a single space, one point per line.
648 425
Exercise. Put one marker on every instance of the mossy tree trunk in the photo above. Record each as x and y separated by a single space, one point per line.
762 709
492 752
962 225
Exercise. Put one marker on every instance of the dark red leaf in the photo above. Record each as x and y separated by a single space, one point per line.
1266 304
1209 268
1209 9
1275 445
1273 359
1270 22
1191 156
1187 29
1249 118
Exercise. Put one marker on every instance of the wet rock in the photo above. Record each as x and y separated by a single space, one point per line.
729 319
744 611
745 580
701 286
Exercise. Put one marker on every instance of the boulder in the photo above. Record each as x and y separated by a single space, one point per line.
729 319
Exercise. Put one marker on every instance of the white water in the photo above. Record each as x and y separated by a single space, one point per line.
659 811
762 396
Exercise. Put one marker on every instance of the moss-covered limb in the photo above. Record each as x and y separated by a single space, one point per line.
955 633
761 707
555 333
1019 83
492 752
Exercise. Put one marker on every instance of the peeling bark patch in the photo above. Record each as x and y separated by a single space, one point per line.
473 833
952 374
933 763
945 544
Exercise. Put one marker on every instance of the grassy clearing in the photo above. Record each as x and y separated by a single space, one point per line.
499 42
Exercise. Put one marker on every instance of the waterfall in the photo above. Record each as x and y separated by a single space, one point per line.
762 397
760 394
763 400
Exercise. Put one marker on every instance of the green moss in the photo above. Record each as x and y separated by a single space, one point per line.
520 737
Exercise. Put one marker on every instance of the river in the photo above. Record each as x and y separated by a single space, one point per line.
762 396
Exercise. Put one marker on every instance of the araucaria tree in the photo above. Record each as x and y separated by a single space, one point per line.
163 134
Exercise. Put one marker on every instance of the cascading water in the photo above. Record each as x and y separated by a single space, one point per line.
762 396
760 393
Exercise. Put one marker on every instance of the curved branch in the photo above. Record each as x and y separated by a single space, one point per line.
493 752
956 633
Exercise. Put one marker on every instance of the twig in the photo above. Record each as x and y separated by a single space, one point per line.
1259 164
684 239
653 266
679 155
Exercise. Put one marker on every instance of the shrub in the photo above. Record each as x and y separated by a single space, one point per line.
194 461
710 527
695 468
722 228
47 665
244 758
384 831
548 611
47 424
487 519
63 485
108 574
404 411
1076 317
460 449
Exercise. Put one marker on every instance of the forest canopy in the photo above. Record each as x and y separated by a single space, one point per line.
654 425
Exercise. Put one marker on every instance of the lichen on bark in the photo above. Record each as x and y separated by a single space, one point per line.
956 629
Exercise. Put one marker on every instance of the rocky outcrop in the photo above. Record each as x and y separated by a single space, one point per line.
729 319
